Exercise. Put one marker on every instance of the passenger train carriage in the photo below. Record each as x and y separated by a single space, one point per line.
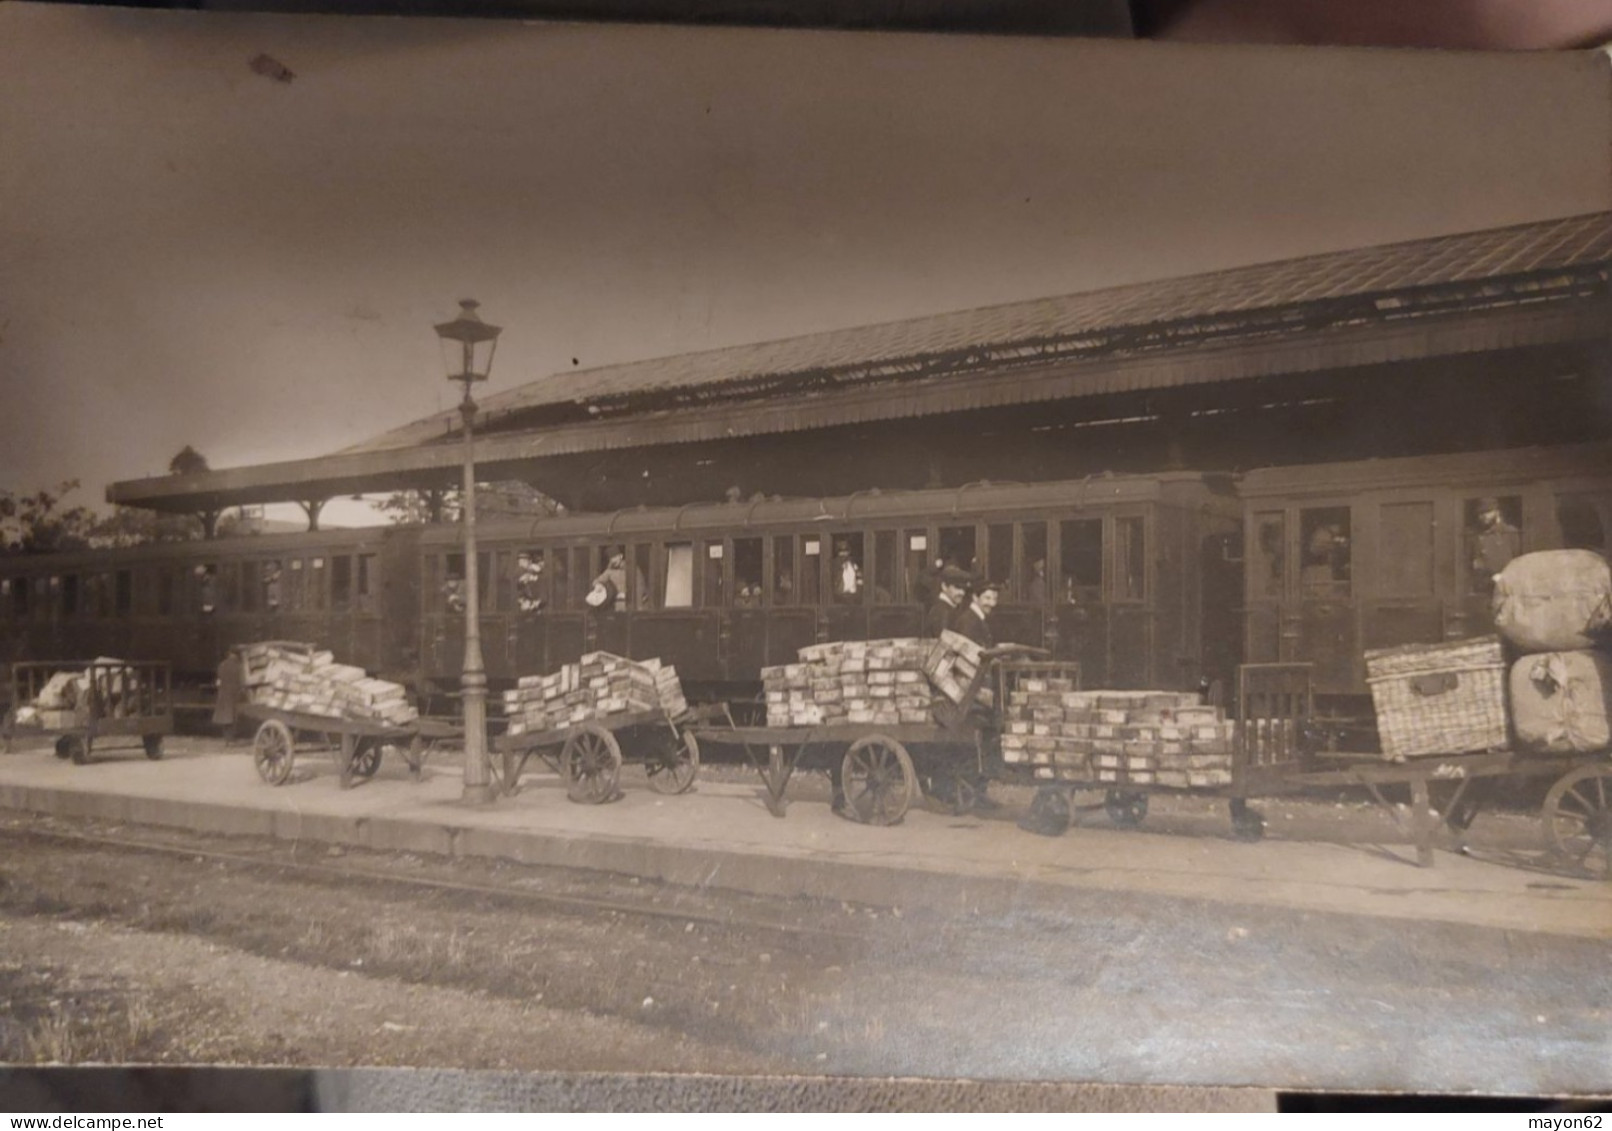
1158 581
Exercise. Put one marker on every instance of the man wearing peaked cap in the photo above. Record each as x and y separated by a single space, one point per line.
948 602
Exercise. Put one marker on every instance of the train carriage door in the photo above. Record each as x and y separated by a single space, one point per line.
847 592
791 621
1016 619
891 615
1320 628
1399 596
1133 606
747 634
1079 598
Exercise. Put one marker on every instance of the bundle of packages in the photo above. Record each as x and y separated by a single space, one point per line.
851 681
951 665
1561 702
1555 607
307 680
1141 737
598 686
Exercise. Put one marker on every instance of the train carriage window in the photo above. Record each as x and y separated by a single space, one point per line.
104 595
1582 519
50 600
69 591
366 583
643 570
847 579
712 587
455 589
506 572
810 585
1326 552
1268 562
999 559
1033 588
1405 533
230 590
1080 547
1130 559
341 583
1491 535
6 608
917 568
957 548
582 575
885 591
123 602
315 584
783 571
19 596
165 593
678 590
559 579
747 572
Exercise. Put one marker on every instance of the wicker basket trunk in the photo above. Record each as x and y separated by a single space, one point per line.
1439 698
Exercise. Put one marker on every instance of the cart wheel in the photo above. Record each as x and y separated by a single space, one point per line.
1578 818
367 759
273 751
1049 812
591 759
78 749
878 780
1125 808
1247 823
64 749
153 745
676 772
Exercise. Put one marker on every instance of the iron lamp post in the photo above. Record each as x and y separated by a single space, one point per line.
467 345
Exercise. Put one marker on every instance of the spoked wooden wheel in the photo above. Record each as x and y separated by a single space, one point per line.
1578 818
675 773
78 749
273 751
153 745
1049 812
64 747
878 780
1125 808
591 758
367 758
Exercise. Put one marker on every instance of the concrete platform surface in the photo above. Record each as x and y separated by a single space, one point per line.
722 835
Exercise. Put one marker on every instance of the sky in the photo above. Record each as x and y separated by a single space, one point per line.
193 252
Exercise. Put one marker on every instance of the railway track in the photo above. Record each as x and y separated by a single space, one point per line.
349 871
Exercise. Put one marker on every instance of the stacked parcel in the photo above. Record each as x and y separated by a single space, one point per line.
1162 738
952 664
306 679
599 686
851 681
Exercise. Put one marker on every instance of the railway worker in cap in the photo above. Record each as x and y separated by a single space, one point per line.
949 602
1495 543
528 582
847 575
454 593
206 589
974 621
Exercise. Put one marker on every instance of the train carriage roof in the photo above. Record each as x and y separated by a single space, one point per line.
1526 285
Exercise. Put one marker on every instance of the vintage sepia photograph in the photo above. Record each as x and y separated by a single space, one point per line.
744 553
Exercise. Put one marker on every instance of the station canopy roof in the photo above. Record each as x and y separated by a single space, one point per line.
1530 284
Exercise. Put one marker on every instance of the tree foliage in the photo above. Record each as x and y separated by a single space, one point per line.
42 522
188 461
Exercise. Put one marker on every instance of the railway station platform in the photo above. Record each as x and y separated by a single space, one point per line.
1317 857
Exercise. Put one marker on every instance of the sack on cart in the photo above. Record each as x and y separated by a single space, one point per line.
1561 702
1554 601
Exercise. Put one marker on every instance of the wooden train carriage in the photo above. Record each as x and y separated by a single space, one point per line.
1340 558
187 602
1108 570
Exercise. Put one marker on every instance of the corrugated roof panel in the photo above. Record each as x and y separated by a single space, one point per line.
1446 260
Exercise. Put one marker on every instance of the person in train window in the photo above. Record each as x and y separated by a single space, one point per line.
749 594
1035 591
207 589
271 587
1495 543
847 575
974 621
528 582
948 603
926 586
1326 562
453 593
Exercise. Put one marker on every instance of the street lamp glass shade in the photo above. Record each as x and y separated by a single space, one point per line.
468 344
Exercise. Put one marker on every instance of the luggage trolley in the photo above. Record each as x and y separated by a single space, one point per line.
356 746
112 699
589 755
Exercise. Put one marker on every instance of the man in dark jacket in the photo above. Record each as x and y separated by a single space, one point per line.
938 617
974 621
